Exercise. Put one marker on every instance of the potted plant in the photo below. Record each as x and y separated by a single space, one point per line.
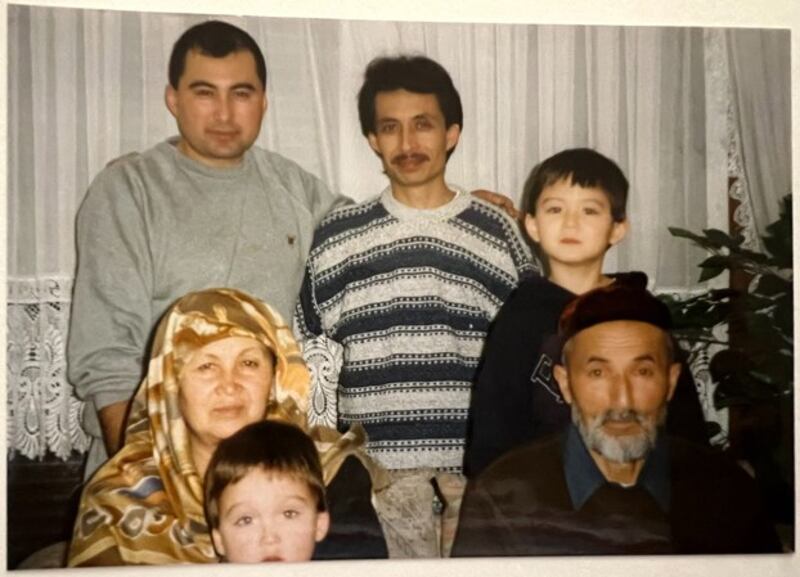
754 370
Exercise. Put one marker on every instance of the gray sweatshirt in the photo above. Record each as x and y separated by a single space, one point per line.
157 225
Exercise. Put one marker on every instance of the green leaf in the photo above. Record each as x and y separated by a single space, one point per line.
701 241
683 233
778 240
720 238
780 249
709 273
713 429
716 261
771 285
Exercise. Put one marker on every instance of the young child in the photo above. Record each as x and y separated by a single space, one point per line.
265 496
575 211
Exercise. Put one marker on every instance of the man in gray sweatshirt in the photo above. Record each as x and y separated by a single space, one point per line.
206 209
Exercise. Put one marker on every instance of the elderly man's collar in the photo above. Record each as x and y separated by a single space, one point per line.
584 478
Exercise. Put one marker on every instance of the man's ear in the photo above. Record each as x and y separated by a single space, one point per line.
323 524
216 538
453 134
531 227
674 375
171 99
265 105
372 138
618 231
560 374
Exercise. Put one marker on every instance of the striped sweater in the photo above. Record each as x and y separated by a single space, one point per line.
409 294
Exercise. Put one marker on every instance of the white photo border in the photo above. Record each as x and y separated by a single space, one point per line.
702 13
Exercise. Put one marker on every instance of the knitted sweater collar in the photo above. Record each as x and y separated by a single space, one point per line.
404 212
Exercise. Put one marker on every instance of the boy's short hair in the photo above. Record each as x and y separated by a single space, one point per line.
417 74
271 446
583 167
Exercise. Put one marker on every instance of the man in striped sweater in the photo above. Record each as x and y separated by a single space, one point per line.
408 283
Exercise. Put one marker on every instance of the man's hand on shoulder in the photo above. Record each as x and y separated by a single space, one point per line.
112 422
499 200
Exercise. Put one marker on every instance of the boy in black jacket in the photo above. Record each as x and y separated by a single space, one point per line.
575 211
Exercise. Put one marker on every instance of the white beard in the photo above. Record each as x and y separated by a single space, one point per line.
624 448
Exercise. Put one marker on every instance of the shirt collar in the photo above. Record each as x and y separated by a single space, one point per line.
454 206
584 478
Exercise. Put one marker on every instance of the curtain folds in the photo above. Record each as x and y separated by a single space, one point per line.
762 93
87 86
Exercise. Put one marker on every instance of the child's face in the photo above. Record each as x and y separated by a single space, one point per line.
268 517
573 225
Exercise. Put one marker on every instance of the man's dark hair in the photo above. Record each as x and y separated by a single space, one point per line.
417 74
582 167
272 446
216 39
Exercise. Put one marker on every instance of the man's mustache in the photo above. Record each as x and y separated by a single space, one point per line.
623 416
414 156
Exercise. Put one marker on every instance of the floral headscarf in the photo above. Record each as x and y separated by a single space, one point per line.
145 505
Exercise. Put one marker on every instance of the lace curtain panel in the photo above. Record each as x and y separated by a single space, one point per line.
86 86
42 413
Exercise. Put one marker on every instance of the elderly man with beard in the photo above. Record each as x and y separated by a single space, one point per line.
614 482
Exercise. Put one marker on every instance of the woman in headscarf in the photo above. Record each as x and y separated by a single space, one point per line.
220 360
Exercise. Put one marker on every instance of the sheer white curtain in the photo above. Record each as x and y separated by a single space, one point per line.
761 101
635 94
87 86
